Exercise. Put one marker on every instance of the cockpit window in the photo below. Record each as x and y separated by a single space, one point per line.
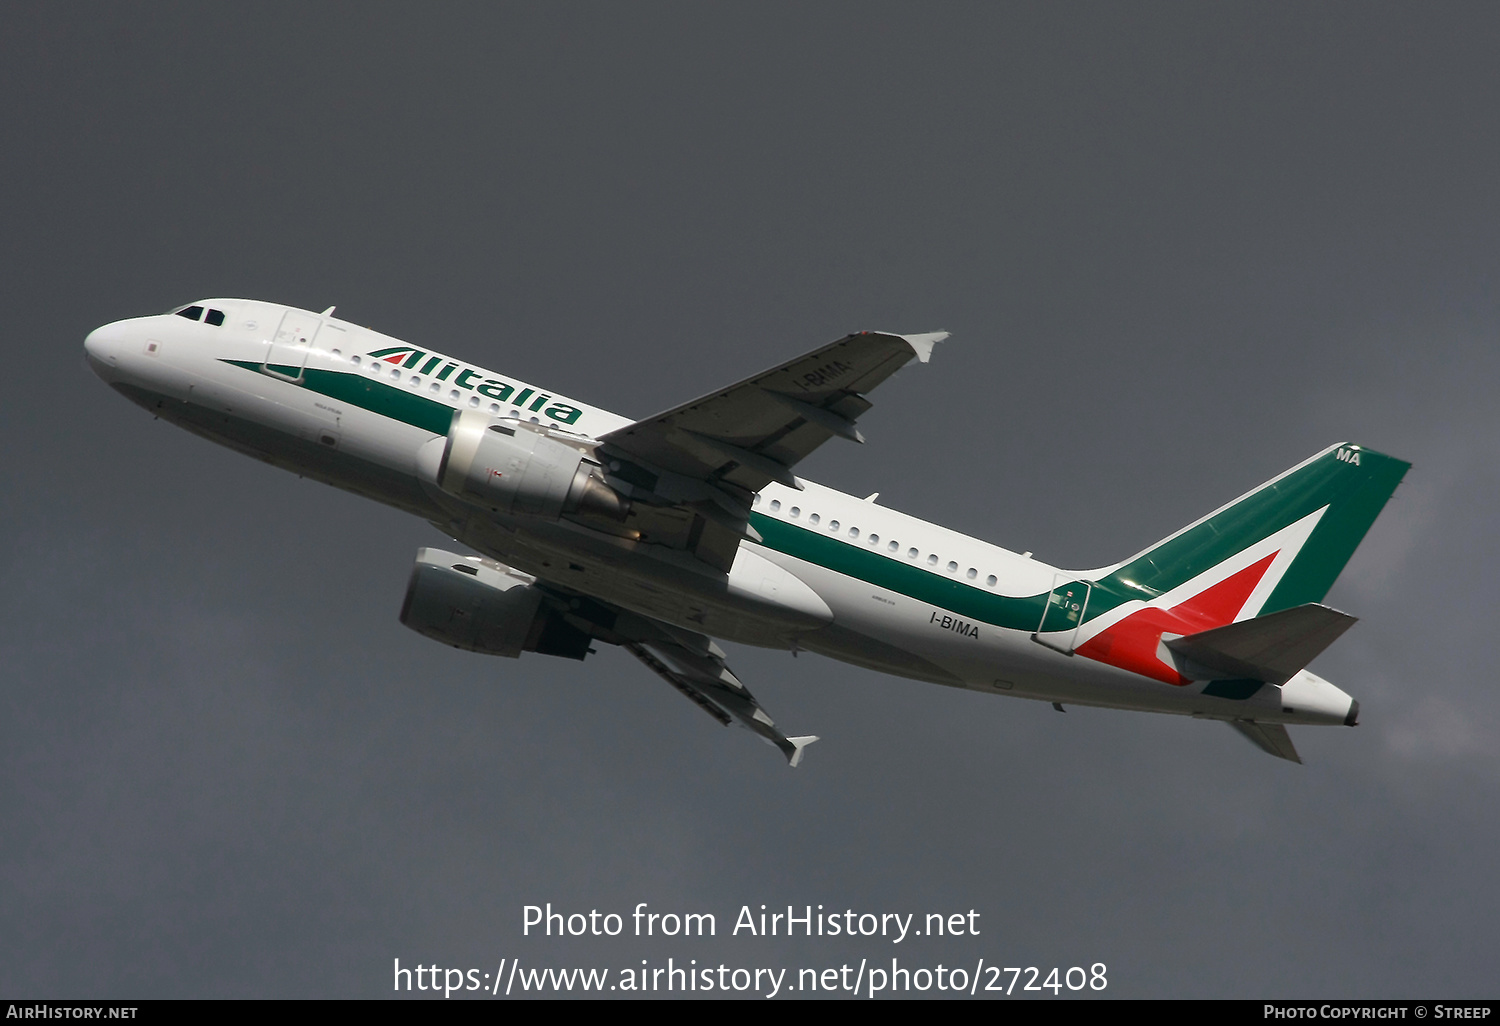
215 317
192 313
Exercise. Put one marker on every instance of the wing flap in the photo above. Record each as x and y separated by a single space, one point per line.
675 679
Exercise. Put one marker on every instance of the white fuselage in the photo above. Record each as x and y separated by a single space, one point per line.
214 380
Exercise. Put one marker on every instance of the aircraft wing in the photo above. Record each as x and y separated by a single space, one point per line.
717 451
754 432
692 663
706 679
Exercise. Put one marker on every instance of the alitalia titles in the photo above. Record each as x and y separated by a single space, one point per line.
442 369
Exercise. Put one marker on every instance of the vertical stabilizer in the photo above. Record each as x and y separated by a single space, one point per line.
1274 550
1312 517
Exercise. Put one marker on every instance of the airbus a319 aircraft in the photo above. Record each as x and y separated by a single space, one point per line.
660 535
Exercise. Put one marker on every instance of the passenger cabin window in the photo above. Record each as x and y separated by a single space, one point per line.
192 313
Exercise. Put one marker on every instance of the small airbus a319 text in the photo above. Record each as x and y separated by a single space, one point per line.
660 535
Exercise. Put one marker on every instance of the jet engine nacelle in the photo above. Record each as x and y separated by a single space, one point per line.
519 470
483 606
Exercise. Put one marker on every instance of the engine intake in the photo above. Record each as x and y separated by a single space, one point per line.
517 470
483 606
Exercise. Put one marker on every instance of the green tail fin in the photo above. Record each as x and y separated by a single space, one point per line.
1348 483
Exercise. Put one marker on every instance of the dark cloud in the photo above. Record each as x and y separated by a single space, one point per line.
1180 249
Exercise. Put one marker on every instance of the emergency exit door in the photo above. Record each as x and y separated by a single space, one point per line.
1067 604
286 353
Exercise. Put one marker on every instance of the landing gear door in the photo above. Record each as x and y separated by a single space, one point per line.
1065 609
286 354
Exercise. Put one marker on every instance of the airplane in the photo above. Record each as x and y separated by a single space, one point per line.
661 535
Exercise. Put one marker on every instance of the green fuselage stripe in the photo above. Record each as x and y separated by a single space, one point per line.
902 578
368 394
1354 493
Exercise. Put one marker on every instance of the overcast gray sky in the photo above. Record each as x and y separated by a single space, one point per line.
1180 248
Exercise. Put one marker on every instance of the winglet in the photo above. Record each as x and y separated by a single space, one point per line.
922 344
799 743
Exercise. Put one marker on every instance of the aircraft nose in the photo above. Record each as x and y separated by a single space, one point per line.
102 350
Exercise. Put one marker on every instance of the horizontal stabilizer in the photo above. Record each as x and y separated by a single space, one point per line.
1271 648
1268 737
